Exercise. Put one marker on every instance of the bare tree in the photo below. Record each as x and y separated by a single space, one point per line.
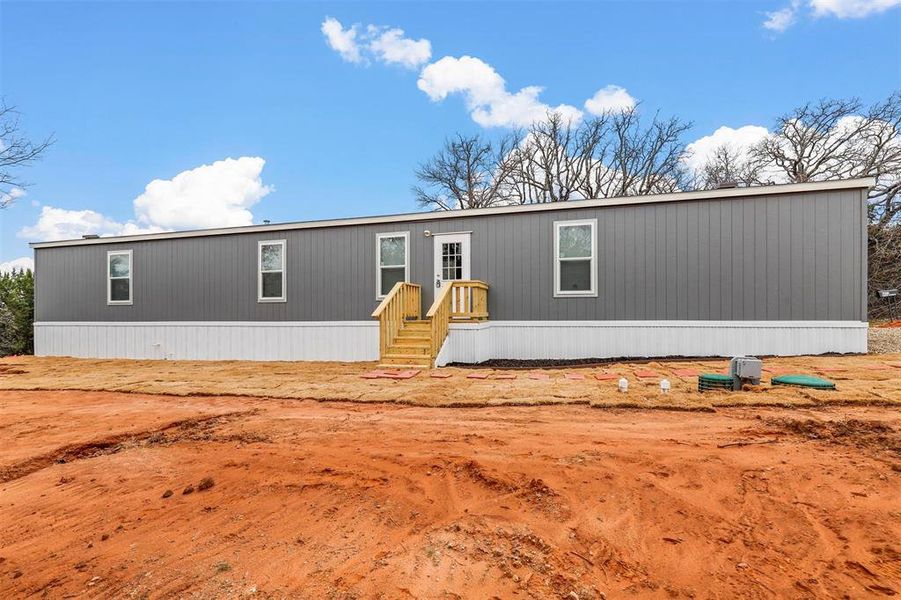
607 156
16 152
841 139
728 165
554 158
884 262
468 172
637 160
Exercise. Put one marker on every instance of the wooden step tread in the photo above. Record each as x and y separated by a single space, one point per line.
408 352
406 361
418 346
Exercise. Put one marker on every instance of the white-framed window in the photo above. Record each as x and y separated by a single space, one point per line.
575 258
392 252
119 273
271 281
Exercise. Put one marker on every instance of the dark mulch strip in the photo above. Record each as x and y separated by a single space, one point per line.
509 363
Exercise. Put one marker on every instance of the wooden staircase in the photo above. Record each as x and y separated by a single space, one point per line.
406 340
412 346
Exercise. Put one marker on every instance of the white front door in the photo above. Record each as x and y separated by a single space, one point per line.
451 258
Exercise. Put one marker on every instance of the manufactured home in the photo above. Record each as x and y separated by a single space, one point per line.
775 270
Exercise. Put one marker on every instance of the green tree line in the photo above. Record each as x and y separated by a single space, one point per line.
17 312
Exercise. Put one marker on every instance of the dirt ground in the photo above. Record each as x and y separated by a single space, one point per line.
349 500
873 379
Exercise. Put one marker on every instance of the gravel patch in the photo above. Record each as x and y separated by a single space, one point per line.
884 340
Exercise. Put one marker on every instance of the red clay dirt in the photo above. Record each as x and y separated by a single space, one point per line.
340 500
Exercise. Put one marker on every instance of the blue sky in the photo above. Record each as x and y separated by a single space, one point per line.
136 92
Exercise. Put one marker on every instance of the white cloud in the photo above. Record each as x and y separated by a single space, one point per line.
216 195
390 46
62 224
851 9
611 98
343 41
8 197
740 139
387 45
220 194
485 93
782 19
24 262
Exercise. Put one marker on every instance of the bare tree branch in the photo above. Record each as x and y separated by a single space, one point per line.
468 172
728 165
16 152
841 139
606 156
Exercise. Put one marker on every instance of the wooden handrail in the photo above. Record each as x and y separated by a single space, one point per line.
387 300
459 300
439 300
404 301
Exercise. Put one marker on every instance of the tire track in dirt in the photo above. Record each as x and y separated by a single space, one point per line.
116 443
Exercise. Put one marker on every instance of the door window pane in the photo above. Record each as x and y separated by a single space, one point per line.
451 261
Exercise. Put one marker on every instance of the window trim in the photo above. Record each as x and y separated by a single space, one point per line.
590 293
378 259
109 279
284 271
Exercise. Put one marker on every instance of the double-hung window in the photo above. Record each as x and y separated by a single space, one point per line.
118 277
271 281
392 256
575 258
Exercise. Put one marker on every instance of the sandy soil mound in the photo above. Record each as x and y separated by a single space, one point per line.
140 496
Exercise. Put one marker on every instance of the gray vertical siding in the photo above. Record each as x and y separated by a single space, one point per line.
781 257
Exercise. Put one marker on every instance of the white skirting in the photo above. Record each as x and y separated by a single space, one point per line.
331 340
466 342
478 342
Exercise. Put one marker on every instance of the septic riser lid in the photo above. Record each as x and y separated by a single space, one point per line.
803 381
716 377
